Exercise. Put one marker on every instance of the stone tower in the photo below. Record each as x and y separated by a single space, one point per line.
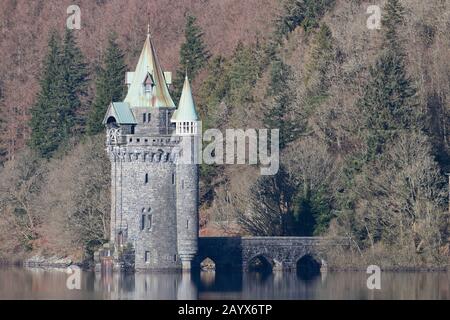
154 181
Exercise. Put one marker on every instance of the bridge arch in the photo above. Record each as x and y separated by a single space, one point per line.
208 264
309 265
260 263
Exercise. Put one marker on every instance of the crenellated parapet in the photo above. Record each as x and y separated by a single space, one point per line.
127 154
115 138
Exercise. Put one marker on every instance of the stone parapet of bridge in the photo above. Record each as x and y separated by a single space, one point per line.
282 253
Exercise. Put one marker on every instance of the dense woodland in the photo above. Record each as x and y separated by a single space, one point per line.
363 117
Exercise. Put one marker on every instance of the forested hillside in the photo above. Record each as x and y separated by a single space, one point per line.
363 117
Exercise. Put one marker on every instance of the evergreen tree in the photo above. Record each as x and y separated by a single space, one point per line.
213 90
279 113
312 211
391 22
75 75
322 57
62 83
193 55
389 102
110 86
243 73
319 69
305 13
46 120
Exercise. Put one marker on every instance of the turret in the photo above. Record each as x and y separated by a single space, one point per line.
189 129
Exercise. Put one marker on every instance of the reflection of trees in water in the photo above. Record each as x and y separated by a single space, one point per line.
16 283
38 283
394 285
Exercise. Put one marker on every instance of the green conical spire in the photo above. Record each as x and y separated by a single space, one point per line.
148 64
186 108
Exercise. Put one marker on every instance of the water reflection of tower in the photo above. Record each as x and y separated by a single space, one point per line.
186 288
167 286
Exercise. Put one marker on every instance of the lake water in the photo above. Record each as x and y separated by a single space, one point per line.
18 283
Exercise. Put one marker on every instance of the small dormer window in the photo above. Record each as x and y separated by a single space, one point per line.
148 84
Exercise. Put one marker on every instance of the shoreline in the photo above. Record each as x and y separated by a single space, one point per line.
63 264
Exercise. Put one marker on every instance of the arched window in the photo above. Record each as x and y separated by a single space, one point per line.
149 117
146 178
144 118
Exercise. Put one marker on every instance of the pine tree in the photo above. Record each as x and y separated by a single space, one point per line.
193 55
46 134
243 73
62 83
110 86
213 90
322 57
319 69
305 13
75 74
279 113
312 211
389 102
391 22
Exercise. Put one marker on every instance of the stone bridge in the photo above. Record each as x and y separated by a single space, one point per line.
270 253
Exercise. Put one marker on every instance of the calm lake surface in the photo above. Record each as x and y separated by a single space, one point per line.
18 283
